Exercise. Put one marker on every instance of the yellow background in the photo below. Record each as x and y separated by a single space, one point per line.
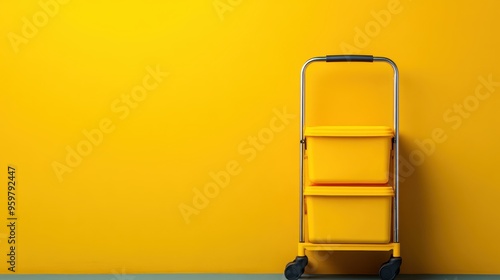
233 68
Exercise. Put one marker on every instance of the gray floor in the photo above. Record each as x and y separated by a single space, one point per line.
237 277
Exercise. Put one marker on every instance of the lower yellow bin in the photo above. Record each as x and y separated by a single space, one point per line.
349 154
349 214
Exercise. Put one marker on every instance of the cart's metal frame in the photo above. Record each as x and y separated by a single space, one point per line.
346 58
301 260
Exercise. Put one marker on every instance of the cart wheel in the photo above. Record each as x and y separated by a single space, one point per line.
390 269
295 269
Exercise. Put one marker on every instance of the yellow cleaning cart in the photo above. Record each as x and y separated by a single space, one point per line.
352 203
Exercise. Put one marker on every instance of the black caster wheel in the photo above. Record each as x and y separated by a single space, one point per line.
295 269
390 269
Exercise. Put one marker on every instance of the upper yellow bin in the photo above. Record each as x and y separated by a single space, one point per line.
348 154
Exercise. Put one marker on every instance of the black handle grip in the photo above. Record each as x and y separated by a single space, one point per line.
349 58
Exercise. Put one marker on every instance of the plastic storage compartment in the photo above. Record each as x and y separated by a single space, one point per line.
348 154
349 214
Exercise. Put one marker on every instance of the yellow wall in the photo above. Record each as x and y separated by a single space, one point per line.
162 100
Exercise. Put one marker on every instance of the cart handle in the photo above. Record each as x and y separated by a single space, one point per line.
349 58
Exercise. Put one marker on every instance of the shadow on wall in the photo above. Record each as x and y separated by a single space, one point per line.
412 204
